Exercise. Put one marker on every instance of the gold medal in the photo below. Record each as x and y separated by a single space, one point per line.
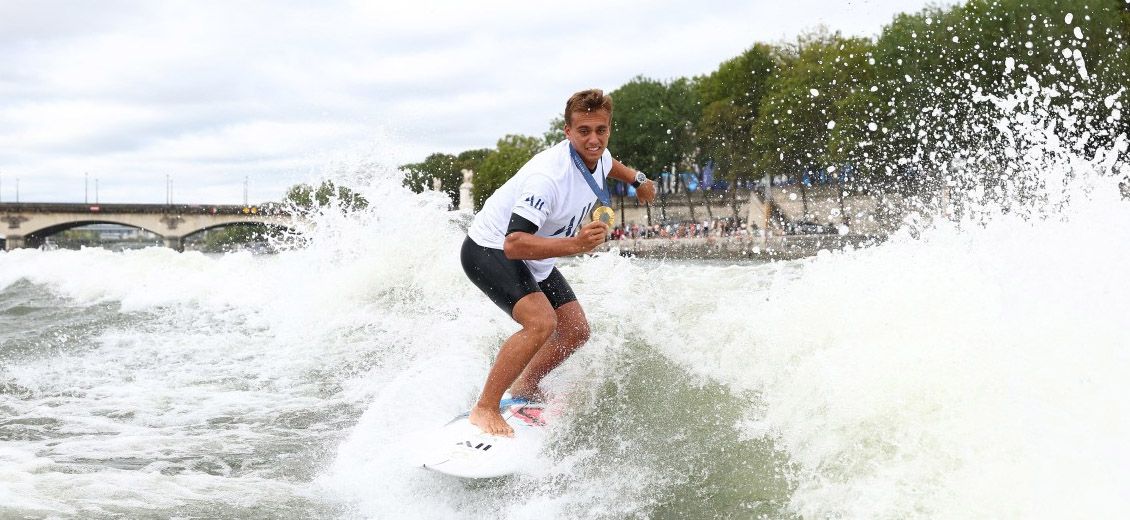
604 214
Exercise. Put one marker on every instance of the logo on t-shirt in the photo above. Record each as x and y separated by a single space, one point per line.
537 204
569 230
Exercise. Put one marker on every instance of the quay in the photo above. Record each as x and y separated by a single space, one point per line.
738 247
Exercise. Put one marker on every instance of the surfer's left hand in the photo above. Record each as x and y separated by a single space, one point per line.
646 192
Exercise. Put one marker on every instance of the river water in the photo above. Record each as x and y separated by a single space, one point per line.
961 369
953 372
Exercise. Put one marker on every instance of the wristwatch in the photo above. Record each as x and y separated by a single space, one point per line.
640 179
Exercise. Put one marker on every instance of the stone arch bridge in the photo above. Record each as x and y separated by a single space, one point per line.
29 224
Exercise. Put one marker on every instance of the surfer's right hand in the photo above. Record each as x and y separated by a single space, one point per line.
592 235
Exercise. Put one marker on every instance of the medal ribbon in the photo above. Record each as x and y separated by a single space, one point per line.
601 194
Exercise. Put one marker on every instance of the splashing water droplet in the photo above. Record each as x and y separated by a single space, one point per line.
1080 63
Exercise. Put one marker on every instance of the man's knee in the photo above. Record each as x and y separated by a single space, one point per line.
541 325
572 326
574 334
534 313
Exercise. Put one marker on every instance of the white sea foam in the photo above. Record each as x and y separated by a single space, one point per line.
967 368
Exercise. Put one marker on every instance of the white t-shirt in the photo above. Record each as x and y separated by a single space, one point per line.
550 192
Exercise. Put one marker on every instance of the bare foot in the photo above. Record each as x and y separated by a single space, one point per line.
489 420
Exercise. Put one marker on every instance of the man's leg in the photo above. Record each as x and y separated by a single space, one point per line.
571 332
538 320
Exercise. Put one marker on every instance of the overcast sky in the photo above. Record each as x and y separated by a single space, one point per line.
210 93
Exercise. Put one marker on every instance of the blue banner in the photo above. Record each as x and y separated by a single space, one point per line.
690 180
708 175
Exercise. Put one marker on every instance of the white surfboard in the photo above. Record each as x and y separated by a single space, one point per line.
461 449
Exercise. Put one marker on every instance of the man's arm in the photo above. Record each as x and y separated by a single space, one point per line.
520 245
644 193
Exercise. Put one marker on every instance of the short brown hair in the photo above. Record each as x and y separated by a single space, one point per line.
587 101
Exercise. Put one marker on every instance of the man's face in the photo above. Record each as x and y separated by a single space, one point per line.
589 134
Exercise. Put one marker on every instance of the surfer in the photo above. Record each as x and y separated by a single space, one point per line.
515 238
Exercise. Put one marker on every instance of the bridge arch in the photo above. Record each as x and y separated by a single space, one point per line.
29 224
268 236
38 237
235 223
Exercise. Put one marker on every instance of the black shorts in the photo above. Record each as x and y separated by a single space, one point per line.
506 281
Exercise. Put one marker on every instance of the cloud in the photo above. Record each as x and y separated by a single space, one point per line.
212 92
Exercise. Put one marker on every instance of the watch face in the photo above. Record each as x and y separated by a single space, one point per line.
640 177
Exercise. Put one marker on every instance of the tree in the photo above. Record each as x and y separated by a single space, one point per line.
724 135
854 108
653 123
300 196
931 64
421 176
500 164
804 104
731 97
232 237
305 197
445 167
742 79
556 132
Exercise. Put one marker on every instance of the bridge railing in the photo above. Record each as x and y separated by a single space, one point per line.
118 208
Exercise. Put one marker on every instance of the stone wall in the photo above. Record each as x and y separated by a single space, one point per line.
866 213
745 246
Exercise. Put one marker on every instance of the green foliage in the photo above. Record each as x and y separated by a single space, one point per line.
724 136
228 238
420 176
732 96
445 167
930 64
470 160
306 197
653 123
500 164
804 104
849 86
300 195
556 132
741 80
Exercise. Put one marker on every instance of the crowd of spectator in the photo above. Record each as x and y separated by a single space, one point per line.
718 227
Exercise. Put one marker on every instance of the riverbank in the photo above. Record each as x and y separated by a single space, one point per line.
782 247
